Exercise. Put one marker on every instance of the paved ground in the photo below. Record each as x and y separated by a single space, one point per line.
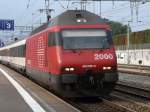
10 100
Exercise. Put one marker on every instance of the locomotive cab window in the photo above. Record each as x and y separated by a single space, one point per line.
85 39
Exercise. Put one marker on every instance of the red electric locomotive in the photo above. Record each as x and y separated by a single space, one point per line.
73 54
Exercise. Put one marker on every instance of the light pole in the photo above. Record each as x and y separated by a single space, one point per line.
128 42
32 20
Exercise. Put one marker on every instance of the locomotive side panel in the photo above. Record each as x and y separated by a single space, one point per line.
36 57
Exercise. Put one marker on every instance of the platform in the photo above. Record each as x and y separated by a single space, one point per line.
40 100
10 99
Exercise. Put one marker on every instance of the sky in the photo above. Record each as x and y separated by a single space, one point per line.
26 12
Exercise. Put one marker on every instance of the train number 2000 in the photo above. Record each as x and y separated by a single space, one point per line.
103 56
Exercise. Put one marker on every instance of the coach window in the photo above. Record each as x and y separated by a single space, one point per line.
11 51
16 51
54 39
7 52
24 50
20 51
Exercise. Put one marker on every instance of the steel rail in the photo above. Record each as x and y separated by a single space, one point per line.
133 89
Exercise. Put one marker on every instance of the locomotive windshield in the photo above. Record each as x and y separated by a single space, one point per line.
85 39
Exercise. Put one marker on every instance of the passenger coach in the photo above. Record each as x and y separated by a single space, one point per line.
14 55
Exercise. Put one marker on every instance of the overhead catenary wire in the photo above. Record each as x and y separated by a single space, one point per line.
28 4
118 10
100 8
94 6
127 16
61 4
68 4
24 13
137 17
113 12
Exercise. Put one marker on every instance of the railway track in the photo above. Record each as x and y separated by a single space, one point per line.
133 69
133 89
134 66
115 103
132 97
98 105
125 98
130 102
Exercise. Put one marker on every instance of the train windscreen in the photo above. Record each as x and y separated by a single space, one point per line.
85 39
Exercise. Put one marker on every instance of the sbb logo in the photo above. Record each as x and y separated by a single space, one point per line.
103 56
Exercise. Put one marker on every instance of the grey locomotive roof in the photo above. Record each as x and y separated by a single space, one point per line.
40 28
70 17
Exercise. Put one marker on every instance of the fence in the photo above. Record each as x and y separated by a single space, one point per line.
133 46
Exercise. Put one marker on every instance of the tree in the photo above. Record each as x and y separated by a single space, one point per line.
118 28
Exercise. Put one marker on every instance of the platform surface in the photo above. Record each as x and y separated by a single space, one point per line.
11 100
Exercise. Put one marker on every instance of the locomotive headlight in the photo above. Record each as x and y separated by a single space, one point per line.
69 69
104 68
78 20
108 68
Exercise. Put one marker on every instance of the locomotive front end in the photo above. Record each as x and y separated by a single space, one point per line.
82 55
88 60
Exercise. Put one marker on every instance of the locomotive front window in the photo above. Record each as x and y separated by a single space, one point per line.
85 39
